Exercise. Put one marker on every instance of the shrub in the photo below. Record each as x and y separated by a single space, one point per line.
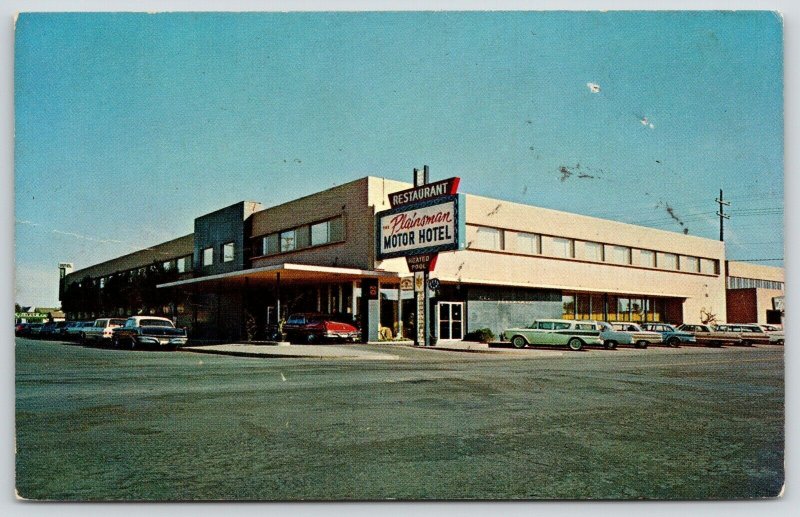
483 335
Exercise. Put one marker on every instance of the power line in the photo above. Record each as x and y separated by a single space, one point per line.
756 260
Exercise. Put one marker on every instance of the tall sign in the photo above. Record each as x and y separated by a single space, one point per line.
422 222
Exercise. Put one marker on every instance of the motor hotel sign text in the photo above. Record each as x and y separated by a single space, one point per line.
420 228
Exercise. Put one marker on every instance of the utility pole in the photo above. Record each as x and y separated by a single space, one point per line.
722 216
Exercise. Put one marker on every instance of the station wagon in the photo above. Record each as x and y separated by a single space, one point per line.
573 334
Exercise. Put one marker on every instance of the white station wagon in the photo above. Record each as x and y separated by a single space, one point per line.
573 334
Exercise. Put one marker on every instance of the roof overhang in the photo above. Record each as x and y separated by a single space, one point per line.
289 274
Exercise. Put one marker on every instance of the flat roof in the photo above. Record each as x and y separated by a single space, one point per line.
289 273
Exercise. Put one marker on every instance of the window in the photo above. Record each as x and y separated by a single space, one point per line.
568 307
529 243
558 247
227 252
647 258
102 282
167 265
181 265
208 256
288 241
545 325
690 264
623 309
320 233
667 261
270 244
618 254
302 237
593 251
488 239
336 228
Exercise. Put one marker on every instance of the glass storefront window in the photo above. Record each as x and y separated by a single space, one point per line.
568 305
623 309
637 309
597 307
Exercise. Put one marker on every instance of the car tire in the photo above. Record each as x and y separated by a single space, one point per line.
641 344
518 342
575 344
82 339
674 342
115 342
747 343
311 339
610 345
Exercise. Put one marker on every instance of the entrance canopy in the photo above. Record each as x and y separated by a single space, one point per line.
297 274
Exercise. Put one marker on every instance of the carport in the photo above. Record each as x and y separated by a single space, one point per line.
334 289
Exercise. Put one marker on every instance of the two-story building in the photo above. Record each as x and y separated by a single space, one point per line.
245 264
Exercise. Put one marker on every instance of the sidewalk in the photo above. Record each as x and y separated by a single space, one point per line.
286 350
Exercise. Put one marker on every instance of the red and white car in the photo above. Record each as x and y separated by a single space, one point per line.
312 327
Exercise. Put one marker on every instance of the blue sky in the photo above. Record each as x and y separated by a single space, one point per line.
130 125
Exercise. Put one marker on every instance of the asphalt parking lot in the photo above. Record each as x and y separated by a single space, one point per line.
687 423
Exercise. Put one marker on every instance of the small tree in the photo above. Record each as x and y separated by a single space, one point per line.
707 317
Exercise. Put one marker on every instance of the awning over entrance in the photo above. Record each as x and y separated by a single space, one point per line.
289 274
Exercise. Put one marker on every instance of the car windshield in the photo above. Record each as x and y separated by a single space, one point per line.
116 322
155 323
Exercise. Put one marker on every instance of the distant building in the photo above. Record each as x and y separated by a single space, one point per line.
754 293
38 315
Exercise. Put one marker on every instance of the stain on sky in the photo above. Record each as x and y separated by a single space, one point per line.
673 215
567 172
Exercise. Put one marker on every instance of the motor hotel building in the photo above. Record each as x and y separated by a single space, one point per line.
246 262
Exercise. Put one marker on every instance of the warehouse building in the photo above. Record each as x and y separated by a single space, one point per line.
755 293
246 264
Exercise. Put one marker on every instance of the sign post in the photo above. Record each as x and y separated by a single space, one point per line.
423 221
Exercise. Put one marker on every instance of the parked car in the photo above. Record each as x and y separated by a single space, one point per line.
776 336
67 325
570 333
672 336
100 332
21 329
73 332
48 330
749 334
311 327
707 336
148 332
34 329
627 333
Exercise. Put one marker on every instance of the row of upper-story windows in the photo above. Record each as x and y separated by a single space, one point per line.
301 237
181 264
735 282
486 238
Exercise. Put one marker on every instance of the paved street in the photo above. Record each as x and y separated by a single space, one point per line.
687 423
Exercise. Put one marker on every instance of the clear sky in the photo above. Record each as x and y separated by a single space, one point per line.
128 126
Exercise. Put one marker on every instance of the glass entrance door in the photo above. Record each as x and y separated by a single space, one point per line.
451 320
